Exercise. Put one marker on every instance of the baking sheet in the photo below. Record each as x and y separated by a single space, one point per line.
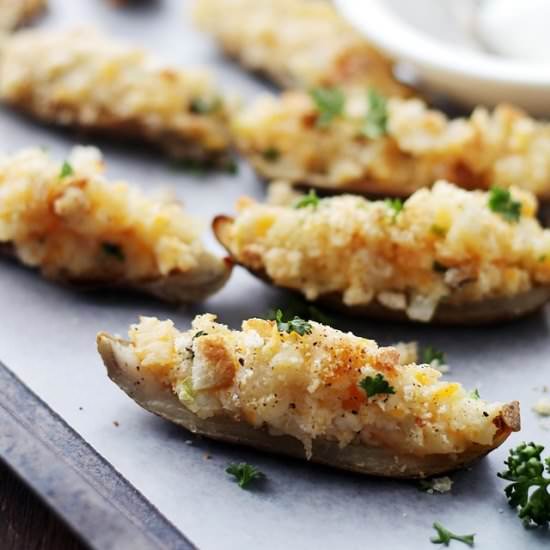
48 340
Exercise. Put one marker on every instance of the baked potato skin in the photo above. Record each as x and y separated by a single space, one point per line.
491 311
120 92
76 227
153 369
421 260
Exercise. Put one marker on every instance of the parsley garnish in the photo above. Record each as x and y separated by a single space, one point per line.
376 385
330 103
474 394
444 536
430 354
201 106
311 199
244 474
297 324
501 202
66 170
395 205
306 311
199 334
529 490
113 250
271 154
438 230
376 122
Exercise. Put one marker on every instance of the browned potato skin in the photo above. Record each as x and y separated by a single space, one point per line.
495 310
177 287
160 400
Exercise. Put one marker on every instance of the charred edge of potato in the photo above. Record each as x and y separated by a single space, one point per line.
369 188
176 287
492 310
159 399
168 142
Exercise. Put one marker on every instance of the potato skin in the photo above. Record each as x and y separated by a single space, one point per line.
143 388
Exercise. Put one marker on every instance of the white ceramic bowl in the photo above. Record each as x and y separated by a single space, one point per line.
424 34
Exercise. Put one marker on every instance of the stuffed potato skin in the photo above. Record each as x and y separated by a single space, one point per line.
443 257
78 228
102 85
246 387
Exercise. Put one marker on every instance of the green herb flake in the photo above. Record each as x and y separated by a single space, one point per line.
430 354
66 170
330 103
474 394
311 199
271 154
501 202
297 324
529 492
376 121
438 230
113 250
444 536
199 334
200 106
244 474
376 385
395 206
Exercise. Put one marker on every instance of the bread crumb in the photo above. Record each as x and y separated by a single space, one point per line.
542 407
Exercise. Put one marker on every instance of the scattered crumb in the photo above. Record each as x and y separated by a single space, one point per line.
542 407
115 424
437 485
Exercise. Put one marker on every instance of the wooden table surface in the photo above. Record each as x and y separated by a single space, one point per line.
25 523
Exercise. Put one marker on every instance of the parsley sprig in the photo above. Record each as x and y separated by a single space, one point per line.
66 170
529 491
244 474
501 202
395 206
330 103
444 536
376 121
376 385
311 199
431 354
297 324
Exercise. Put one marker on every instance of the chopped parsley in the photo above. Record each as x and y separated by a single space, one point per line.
199 334
376 385
66 170
474 394
311 199
305 311
501 202
529 492
244 474
376 122
271 154
444 536
201 106
113 250
438 230
430 354
297 324
330 103
395 206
